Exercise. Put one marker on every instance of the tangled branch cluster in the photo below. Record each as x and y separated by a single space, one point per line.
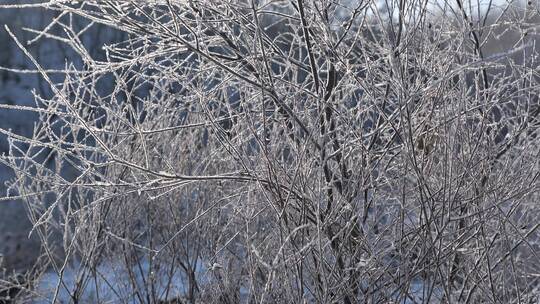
271 151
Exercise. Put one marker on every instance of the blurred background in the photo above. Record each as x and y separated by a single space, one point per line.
18 86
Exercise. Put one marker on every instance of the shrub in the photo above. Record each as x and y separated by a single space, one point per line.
289 152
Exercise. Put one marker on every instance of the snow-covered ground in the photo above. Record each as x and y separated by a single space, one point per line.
114 283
